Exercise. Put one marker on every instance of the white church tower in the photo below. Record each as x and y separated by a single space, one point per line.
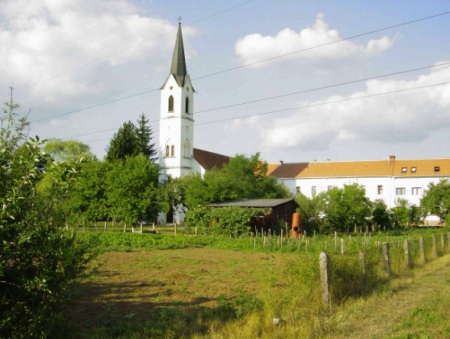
176 133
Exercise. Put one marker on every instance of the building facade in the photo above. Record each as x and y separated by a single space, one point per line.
387 180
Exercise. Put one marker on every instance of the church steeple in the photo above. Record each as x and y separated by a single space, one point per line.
178 67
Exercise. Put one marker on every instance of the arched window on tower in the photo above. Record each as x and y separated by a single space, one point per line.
171 103
187 105
167 151
172 151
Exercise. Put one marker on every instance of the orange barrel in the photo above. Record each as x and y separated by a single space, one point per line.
295 225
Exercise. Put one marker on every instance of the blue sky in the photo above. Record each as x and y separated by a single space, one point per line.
64 57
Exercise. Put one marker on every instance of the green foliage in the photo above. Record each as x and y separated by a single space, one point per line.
131 140
241 178
223 221
38 259
436 200
341 209
123 144
131 189
380 215
144 138
70 151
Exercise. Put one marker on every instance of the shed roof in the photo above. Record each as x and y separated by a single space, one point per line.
255 203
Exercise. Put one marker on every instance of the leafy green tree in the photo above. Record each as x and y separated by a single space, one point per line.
131 189
123 144
309 214
88 197
144 139
38 259
241 178
70 151
343 208
380 215
400 213
436 199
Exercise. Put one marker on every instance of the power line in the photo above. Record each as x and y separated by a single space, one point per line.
289 94
250 64
311 105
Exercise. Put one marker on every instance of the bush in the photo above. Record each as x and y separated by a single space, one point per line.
223 221
38 259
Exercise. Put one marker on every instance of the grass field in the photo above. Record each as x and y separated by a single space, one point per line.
208 291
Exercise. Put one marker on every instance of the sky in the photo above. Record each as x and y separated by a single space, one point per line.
294 80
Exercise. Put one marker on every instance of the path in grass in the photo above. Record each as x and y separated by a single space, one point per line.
418 306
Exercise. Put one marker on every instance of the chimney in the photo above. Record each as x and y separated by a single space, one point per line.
391 157
281 162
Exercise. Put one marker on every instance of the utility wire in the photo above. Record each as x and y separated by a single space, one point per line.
287 94
310 106
250 64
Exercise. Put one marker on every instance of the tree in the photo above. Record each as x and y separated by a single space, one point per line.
123 144
38 259
70 151
436 199
342 208
380 215
144 138
241 178
131 189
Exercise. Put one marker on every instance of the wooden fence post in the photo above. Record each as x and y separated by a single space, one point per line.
443 243
362 262
342 246
407 257
422 250
324 278
435 253
387 265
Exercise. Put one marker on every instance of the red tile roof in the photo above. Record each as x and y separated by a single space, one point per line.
392 167
208 160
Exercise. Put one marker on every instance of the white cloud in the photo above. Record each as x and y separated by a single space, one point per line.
255 47
403 117
59 48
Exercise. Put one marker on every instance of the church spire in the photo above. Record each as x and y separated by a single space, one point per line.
178 67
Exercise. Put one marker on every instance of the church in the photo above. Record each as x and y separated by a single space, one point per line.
388 180
177 155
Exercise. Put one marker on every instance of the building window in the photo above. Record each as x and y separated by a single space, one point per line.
400 191
363 187
186 109
298 189
380 189
171 103
414 169
167 151
313 191
330 187
416 191
437 168
404 169
172 151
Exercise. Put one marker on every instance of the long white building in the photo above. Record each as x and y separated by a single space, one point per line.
387 180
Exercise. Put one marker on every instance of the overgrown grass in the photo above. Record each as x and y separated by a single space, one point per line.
285 286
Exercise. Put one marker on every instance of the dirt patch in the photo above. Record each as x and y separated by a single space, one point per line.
136 285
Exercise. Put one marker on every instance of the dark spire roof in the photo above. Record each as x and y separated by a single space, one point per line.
178 68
